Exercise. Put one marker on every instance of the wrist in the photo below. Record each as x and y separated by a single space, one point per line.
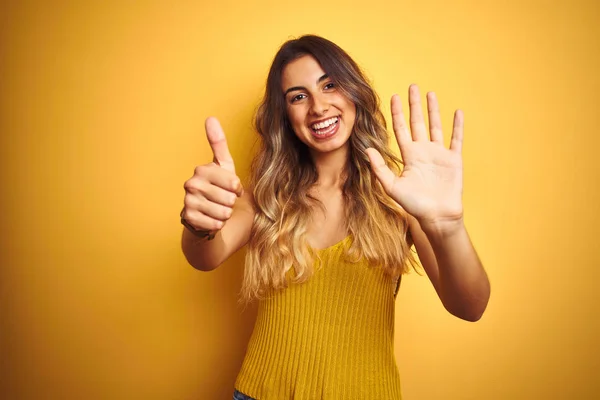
199 233
442 228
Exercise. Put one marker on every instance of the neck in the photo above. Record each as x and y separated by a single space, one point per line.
330 167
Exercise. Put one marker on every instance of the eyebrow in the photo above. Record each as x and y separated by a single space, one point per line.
321 79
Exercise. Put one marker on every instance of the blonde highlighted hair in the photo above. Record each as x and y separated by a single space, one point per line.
283 172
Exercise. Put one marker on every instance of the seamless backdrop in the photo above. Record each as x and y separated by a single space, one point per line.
102 106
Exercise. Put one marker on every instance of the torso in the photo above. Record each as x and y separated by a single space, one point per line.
328 338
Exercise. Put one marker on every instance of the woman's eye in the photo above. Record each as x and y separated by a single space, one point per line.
298 97
330 85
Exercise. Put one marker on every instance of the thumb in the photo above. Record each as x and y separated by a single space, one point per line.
382 171
218 144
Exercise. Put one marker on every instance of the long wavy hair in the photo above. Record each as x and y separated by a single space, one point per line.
283 171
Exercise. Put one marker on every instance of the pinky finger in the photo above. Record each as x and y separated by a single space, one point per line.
202 222
457 132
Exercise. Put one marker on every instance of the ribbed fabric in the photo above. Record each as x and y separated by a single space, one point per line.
331 337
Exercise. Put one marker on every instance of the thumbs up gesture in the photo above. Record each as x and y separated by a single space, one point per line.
213 190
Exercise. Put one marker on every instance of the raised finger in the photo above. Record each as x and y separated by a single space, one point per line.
398 122
457 132
384 174
435 121
417 122
218 143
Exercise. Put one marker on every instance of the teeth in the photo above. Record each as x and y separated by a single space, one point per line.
324 124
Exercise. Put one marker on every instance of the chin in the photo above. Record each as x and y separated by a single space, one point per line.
339 143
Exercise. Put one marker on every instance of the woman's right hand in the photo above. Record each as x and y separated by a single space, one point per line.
213 190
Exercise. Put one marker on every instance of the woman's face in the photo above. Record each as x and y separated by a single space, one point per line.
321 116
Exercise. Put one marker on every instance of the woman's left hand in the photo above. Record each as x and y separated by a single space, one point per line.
430 185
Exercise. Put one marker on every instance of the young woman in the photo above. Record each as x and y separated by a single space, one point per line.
329 218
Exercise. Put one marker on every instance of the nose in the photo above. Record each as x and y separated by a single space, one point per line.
319 105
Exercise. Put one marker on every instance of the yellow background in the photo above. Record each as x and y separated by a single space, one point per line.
101 112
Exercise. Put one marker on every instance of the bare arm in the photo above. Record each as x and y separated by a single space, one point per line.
452 265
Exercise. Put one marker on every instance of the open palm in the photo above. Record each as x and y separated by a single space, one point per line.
430 185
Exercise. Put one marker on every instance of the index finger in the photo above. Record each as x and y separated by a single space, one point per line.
398 121
417 123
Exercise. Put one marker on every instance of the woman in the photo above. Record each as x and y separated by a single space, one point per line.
329 219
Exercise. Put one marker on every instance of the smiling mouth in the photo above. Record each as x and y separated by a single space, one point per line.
325 127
